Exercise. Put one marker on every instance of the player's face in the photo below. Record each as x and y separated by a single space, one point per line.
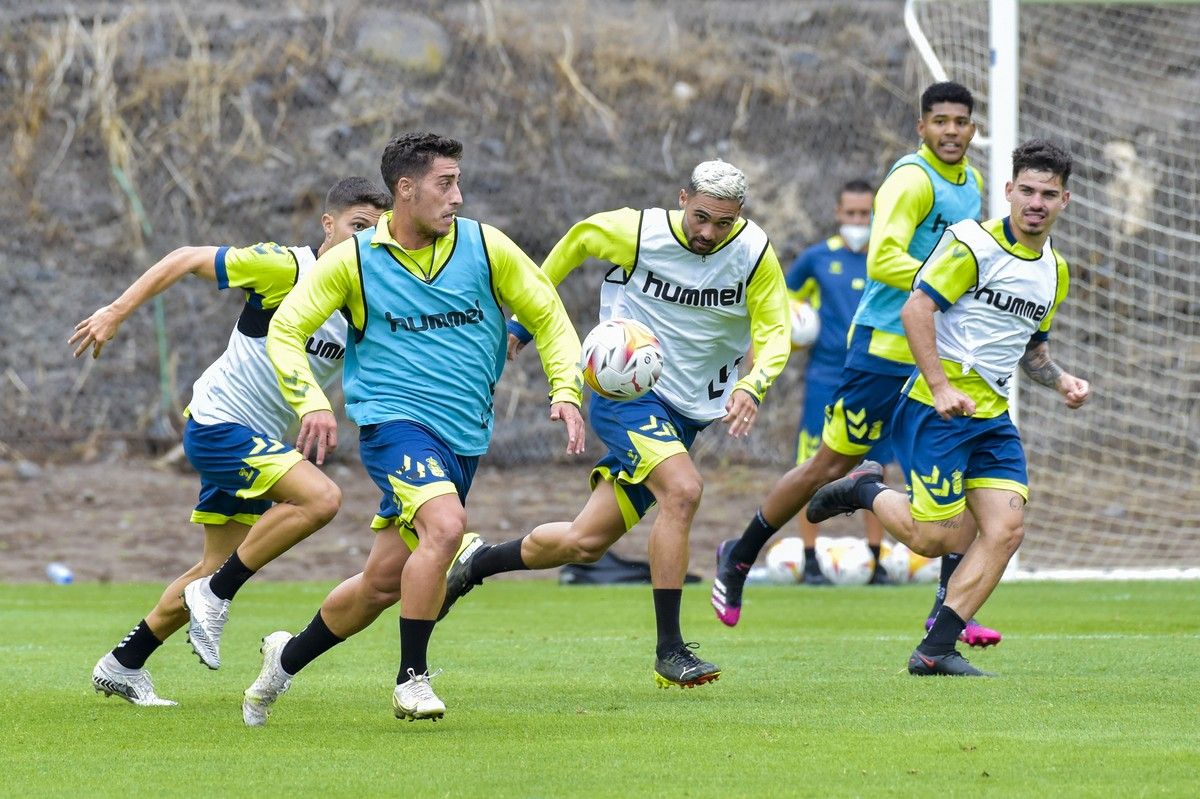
947 130
854 208
1035 197
345 223
435 198
707 220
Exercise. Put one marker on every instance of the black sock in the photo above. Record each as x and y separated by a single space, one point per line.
504 557
877 552
945 631
949 564
232 575
414 647
811 566
137 647
757 533
666 615
866 491
312 642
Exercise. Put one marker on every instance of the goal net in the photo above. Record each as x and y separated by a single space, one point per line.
1114 485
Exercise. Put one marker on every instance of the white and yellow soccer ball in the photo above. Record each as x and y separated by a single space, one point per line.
621 359
805 323
905 566
785 560
846 560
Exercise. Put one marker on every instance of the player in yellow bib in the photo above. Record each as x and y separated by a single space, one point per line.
983 303
707 282
236 424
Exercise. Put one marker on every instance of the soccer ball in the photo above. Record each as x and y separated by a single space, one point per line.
805 323
846 561
905 566
621 359
785 560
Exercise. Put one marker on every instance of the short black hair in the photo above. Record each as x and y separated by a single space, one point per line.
356 190
947 92
410 155
856 186
1041 155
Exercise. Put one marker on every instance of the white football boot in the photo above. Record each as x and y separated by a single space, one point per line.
272 681
415 699
207 617
133 685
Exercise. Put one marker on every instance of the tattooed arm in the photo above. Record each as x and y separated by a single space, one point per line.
1041 368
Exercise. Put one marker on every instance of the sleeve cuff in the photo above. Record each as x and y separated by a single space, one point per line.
745 385
570 395
219 266
942 303
520 331
1040 335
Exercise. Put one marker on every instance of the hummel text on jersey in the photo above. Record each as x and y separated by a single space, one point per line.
1012 303
321 348
703 298
468 316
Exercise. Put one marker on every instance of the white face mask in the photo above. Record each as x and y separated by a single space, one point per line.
855 236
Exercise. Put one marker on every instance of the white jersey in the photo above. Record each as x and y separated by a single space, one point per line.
241 385
988 328
696 306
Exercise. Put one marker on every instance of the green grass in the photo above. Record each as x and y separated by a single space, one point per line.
550 693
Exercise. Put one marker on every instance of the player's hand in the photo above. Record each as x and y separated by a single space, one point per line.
740 412
949 402
95 331
1074 389
515 345
568 414
319 429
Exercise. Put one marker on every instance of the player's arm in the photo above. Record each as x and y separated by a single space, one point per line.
771 339
939 285
100 328
330 285
904 199
1041 368
610 236
528 292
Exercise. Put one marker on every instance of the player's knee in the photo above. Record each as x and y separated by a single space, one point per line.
324 504
683 495
379 594
444 532
587 550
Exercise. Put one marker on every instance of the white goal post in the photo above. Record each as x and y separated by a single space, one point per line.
1114 488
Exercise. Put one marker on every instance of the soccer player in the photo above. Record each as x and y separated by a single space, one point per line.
984 301
831 276
234 434
424 291
706 281
923 194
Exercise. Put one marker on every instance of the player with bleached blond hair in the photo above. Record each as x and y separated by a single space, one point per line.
707 282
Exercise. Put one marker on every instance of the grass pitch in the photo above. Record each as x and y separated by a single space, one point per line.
550 693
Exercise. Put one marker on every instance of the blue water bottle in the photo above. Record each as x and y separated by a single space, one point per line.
60 574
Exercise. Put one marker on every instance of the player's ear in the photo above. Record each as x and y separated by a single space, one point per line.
1066 197
327 225
683 197
1008 190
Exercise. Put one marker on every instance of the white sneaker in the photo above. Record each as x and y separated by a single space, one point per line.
208 615
272 681
133 685
415 699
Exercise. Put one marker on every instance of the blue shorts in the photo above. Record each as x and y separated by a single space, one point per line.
236 466
640 434
818 395
858 414
942 459
411 465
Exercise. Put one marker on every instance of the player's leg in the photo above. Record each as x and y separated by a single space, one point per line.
817 396
349 608
122 671
257 469
854 422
